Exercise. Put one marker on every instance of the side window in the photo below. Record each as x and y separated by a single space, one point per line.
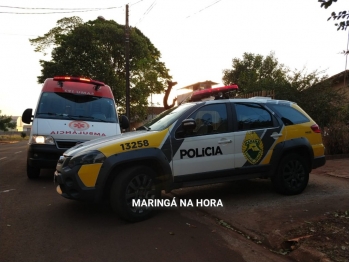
252 116
210 119
289 115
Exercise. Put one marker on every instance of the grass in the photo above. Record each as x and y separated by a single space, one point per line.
13 138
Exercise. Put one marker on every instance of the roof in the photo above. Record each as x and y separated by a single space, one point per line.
153 110
198 83
14 118
335 79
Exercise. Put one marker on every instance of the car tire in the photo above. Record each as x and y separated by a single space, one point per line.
136 183
292 175
33 172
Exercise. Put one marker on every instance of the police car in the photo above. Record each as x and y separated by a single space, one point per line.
196 143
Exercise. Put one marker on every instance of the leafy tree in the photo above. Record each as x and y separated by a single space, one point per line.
255 73
344 15
315 95
6 122
96 49
309 90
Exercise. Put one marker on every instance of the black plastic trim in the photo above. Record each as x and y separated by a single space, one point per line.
43 156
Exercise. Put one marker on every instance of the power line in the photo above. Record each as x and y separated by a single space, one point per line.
53 8
204 8
146 12
55 12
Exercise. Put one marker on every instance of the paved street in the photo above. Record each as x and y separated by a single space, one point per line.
39 225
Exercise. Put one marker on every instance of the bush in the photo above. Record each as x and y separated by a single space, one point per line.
336 139
23 135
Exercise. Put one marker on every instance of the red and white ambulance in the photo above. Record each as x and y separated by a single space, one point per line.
70 110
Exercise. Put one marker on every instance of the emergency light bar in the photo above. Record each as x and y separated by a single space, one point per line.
78 79
205 93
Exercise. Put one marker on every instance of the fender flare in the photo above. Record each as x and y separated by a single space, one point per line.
292 145
147 155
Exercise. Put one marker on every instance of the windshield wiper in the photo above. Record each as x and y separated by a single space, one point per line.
143 128
51 114
55 114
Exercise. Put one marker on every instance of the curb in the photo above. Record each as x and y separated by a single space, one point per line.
309 255
339 156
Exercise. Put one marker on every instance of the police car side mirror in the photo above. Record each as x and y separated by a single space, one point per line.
27 116
188 124
186 128
124 122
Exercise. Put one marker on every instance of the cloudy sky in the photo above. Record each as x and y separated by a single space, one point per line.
197 38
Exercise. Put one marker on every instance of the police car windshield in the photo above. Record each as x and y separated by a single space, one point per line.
166 118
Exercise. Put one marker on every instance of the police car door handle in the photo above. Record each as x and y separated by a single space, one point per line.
225 141
275 135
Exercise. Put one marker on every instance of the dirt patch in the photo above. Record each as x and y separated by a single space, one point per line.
327 235
8 142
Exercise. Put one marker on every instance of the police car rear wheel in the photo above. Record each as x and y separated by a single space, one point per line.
131 188
292 176
33 172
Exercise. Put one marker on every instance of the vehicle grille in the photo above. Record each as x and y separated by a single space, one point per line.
65 144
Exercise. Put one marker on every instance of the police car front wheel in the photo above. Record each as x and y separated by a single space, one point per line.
131 191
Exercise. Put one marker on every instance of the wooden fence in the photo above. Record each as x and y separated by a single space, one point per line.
264 93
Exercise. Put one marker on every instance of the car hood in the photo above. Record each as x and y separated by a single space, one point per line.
120 143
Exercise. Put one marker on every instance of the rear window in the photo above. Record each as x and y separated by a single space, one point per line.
289 115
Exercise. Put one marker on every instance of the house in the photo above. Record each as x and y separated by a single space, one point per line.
340 81
21 127
184 92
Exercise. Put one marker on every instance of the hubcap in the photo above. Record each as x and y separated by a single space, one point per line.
294 174
140 188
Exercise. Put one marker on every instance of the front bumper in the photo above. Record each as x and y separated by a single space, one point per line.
70 186
43 156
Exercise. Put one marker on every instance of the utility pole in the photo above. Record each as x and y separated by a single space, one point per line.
127 66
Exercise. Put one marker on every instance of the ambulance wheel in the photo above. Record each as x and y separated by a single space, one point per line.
292 175
131 187
33 172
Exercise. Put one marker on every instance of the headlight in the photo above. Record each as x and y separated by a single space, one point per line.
86 158
42 140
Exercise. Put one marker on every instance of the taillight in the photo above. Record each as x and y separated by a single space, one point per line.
315 128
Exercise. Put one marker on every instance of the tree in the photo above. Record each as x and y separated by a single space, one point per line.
96 49
6 122
255 73
344 15
309 90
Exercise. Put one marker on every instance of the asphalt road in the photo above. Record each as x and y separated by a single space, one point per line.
37 224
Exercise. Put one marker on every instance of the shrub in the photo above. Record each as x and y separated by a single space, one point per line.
336 139
23 135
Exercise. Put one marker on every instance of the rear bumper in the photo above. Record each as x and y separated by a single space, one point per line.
319 161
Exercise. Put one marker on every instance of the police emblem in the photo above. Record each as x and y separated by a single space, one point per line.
252 147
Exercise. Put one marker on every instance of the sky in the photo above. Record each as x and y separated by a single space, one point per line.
197 39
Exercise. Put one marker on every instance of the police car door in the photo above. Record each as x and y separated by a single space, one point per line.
256 133
208 151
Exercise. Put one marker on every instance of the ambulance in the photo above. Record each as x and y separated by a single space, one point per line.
70 111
